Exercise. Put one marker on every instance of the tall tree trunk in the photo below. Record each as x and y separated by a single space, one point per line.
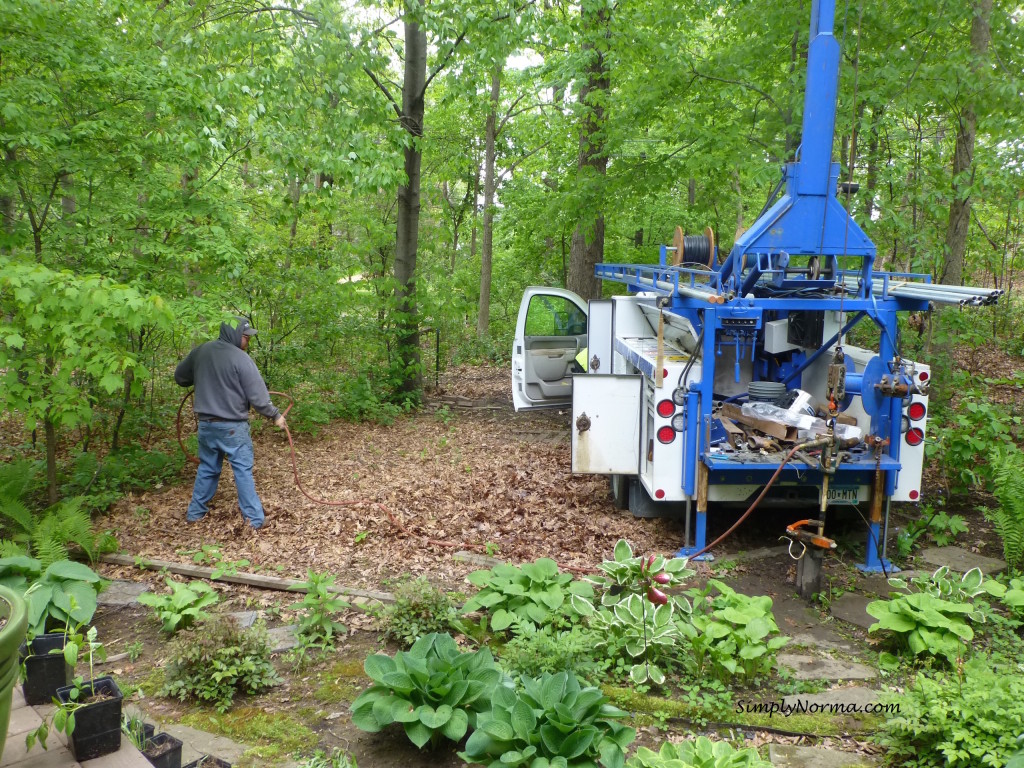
476 211
8 210
407 348
487 247
50 431
872 167
963 155
588 239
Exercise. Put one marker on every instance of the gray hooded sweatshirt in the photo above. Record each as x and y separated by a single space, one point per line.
226 379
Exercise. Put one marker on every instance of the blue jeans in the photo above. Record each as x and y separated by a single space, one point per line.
217 440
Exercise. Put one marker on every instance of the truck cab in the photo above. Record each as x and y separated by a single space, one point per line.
551 331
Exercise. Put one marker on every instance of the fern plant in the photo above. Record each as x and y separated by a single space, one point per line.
1008 517
49 535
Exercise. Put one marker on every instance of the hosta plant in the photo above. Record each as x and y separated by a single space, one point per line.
925 624
63 594
183 607
1014 597
648 634
434 690
732 633
536 593
700 753
956 589
549 722
626 575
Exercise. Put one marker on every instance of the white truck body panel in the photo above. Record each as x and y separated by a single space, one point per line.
606 424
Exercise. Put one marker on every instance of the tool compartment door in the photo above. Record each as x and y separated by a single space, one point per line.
551 330
606 424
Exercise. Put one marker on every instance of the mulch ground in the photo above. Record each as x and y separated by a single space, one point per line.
466 473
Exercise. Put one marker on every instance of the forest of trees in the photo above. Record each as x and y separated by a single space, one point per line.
374 184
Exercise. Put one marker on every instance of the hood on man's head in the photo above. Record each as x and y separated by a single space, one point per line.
233 330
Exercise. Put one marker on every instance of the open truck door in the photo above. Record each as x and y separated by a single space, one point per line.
550 332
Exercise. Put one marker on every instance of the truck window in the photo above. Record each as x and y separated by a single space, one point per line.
554 316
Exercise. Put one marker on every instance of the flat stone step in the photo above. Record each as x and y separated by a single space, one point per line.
961 561
283 638
196 743
852 608
817 668
792 756
244 619
121 592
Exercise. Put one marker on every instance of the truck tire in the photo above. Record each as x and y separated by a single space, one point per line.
642 505
620 491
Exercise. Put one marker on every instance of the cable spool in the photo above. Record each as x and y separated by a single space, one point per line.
693 249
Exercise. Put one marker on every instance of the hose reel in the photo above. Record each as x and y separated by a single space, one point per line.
694 250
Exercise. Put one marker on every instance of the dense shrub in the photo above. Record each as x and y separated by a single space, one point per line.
947 719
419 609
217 660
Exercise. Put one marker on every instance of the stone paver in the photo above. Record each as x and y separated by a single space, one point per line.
283 638
852 607
244 619
960 560
196 743
121 593
791 756
24 718
757 554
817 668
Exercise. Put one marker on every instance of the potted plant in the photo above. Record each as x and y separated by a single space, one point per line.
209 761
161 749
44 667
88 711
13 621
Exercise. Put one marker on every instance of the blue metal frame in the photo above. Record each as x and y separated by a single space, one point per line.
731 301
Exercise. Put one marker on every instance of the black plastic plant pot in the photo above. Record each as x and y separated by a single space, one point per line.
86 747
163 751
45 672
95 720
209 761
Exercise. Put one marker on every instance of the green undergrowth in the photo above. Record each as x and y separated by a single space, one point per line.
342 682
153 683
274 734
653 710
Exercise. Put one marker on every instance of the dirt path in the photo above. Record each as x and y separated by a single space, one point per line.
467 471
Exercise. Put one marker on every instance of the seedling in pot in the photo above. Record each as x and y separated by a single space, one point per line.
63 717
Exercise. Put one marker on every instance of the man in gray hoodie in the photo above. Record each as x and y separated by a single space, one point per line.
227 383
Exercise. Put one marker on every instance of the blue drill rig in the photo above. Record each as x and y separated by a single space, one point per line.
731 381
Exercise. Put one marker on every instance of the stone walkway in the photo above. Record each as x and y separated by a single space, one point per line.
25 718
195 744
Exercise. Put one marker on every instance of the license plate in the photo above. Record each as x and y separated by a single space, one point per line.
841 494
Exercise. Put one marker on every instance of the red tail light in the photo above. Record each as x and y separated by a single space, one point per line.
915 436
916 411
666 408
666 435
